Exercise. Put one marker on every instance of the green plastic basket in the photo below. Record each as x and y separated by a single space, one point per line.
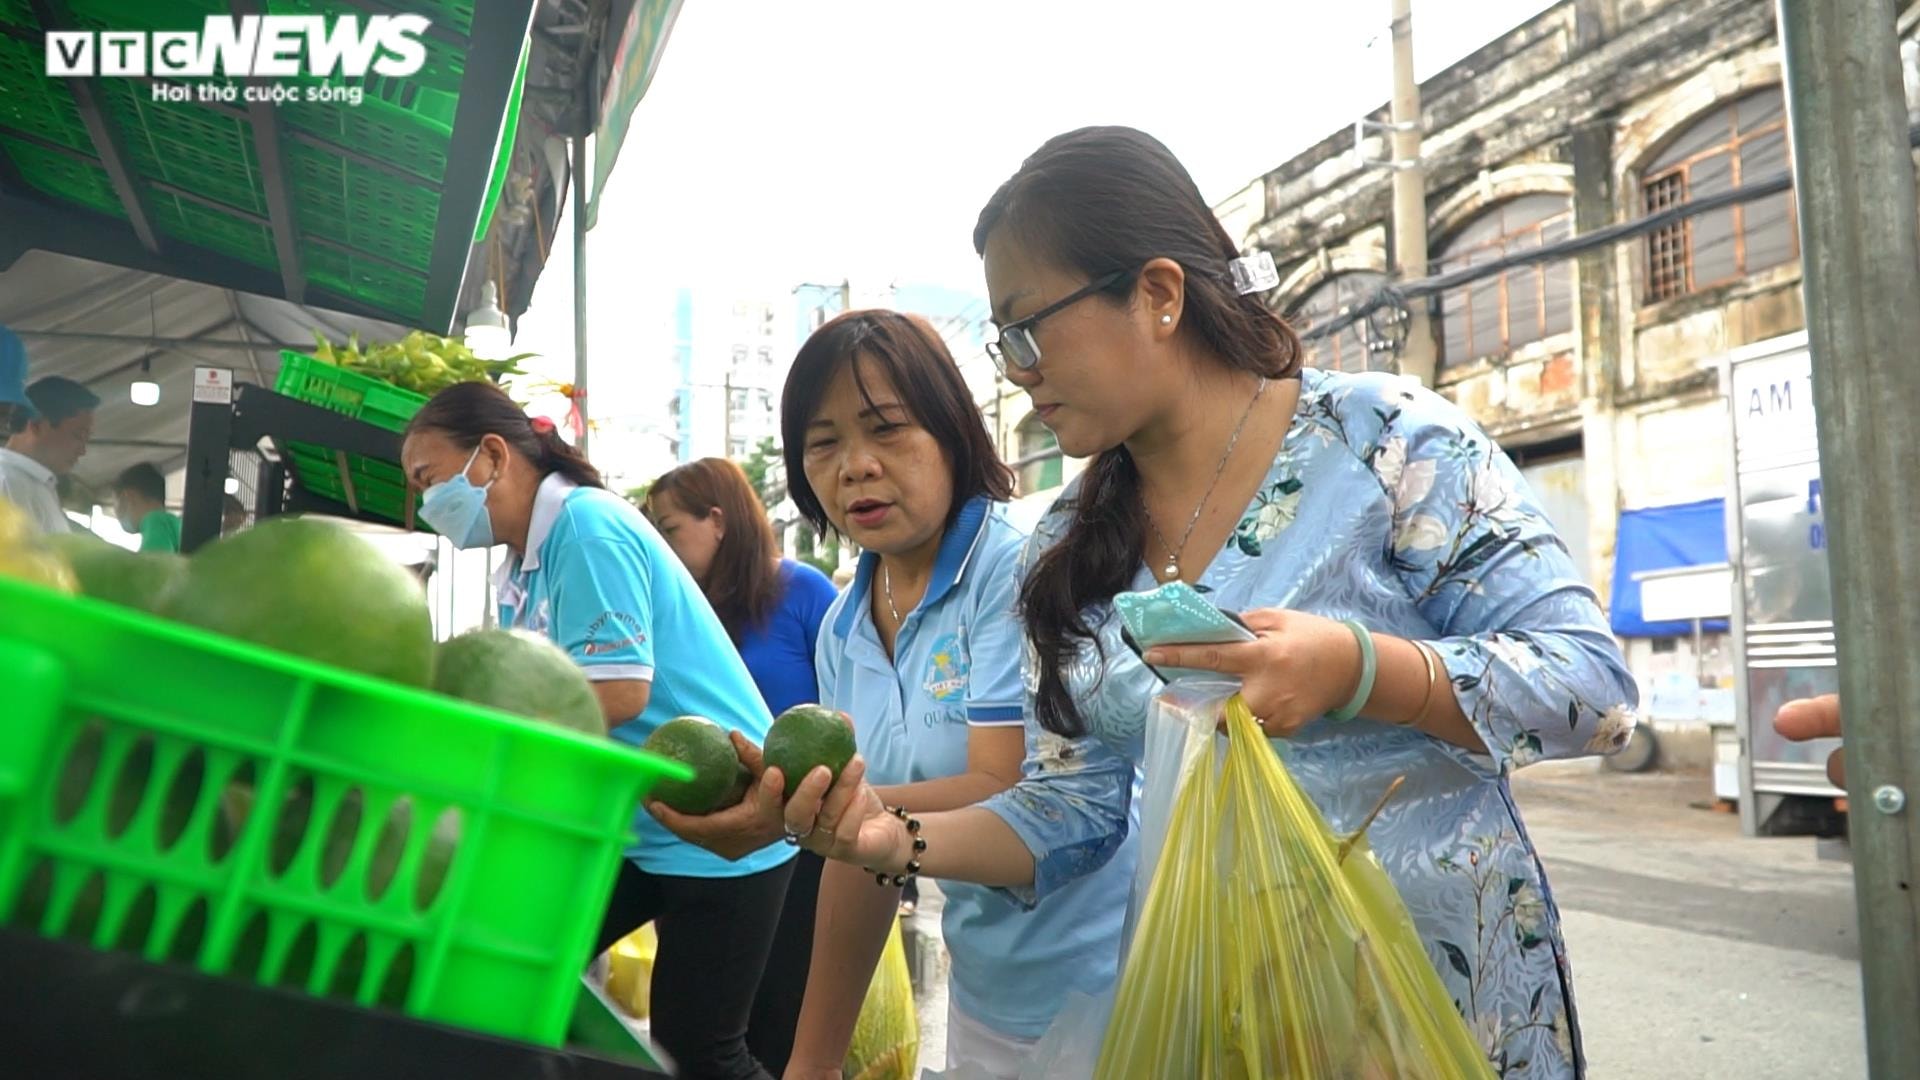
329 386
364 484
122 732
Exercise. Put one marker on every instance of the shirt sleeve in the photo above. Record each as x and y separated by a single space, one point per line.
603 607
1071 808
1533 663
996 645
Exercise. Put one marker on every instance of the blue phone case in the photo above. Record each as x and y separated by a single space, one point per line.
1176 614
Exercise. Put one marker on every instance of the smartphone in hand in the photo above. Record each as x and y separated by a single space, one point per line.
1176 614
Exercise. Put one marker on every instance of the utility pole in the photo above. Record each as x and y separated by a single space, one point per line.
726 425
1409 195
1861 266
580 284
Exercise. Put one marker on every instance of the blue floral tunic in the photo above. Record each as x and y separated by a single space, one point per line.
1388 505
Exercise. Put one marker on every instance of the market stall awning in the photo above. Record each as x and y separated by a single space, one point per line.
362 194
1659 538
108 326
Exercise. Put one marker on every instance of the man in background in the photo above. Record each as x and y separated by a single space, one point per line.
140 502
50 436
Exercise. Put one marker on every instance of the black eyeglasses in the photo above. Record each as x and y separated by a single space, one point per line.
1017 348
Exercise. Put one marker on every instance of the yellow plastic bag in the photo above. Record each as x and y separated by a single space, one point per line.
630 971
1266 947
886 1039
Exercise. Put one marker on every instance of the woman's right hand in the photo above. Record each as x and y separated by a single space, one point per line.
740 829
844 819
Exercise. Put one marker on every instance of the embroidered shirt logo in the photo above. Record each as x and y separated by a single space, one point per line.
612 632
947 669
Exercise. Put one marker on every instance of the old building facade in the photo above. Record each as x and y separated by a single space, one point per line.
1598 373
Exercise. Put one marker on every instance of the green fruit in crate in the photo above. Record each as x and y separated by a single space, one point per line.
806 737
25 555
310 587
520 673
702 745
141 580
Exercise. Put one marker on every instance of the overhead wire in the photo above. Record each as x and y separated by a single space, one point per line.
1395 295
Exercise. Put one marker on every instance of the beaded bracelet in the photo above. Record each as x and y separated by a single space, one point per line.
913 862
1369 668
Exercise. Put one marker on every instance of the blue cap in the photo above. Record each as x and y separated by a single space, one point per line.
13 371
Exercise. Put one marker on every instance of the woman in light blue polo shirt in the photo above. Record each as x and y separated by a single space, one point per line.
884 444
590 573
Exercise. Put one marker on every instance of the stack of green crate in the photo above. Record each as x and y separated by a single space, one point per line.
364 231
374 486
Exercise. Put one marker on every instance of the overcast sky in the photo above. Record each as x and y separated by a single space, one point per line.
782 142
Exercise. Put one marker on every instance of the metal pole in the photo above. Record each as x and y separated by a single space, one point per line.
1861 275
580 284
1409 195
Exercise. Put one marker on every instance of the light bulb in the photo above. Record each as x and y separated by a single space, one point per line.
144 392
232 486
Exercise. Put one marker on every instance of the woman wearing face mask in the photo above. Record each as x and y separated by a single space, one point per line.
885 445
588 571
772 607
1415 613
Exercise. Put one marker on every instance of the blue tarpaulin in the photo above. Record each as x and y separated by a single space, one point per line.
1664 538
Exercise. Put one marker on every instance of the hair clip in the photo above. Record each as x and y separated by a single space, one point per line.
1254 273
541 425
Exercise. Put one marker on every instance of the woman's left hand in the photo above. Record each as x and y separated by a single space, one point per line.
741 829
1300 668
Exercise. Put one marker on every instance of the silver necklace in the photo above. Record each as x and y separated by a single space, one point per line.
886 583
1172 569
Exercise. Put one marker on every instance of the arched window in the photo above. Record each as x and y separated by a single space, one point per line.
1519 305
1345 350
1037 473
1738 143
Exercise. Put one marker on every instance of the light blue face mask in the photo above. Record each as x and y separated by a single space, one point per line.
458 511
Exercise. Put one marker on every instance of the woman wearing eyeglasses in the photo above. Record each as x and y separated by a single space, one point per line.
885 445
1416 615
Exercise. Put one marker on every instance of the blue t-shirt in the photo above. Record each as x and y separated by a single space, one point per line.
601 583
956 665
780 653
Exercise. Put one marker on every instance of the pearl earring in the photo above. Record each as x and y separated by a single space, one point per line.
1165 319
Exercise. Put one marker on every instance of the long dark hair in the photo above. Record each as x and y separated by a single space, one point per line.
743 584
917 363
470 411
1094 201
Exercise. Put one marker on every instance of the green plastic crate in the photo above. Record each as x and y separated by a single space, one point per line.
367 485
329 386
173 715
378 487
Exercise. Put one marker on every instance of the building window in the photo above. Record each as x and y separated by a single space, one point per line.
1519 305
1037 472
766 356
1347 349
1739 143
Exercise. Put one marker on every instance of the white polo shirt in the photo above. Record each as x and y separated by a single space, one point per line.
32 487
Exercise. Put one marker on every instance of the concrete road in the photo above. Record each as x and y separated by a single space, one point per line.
1696 952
